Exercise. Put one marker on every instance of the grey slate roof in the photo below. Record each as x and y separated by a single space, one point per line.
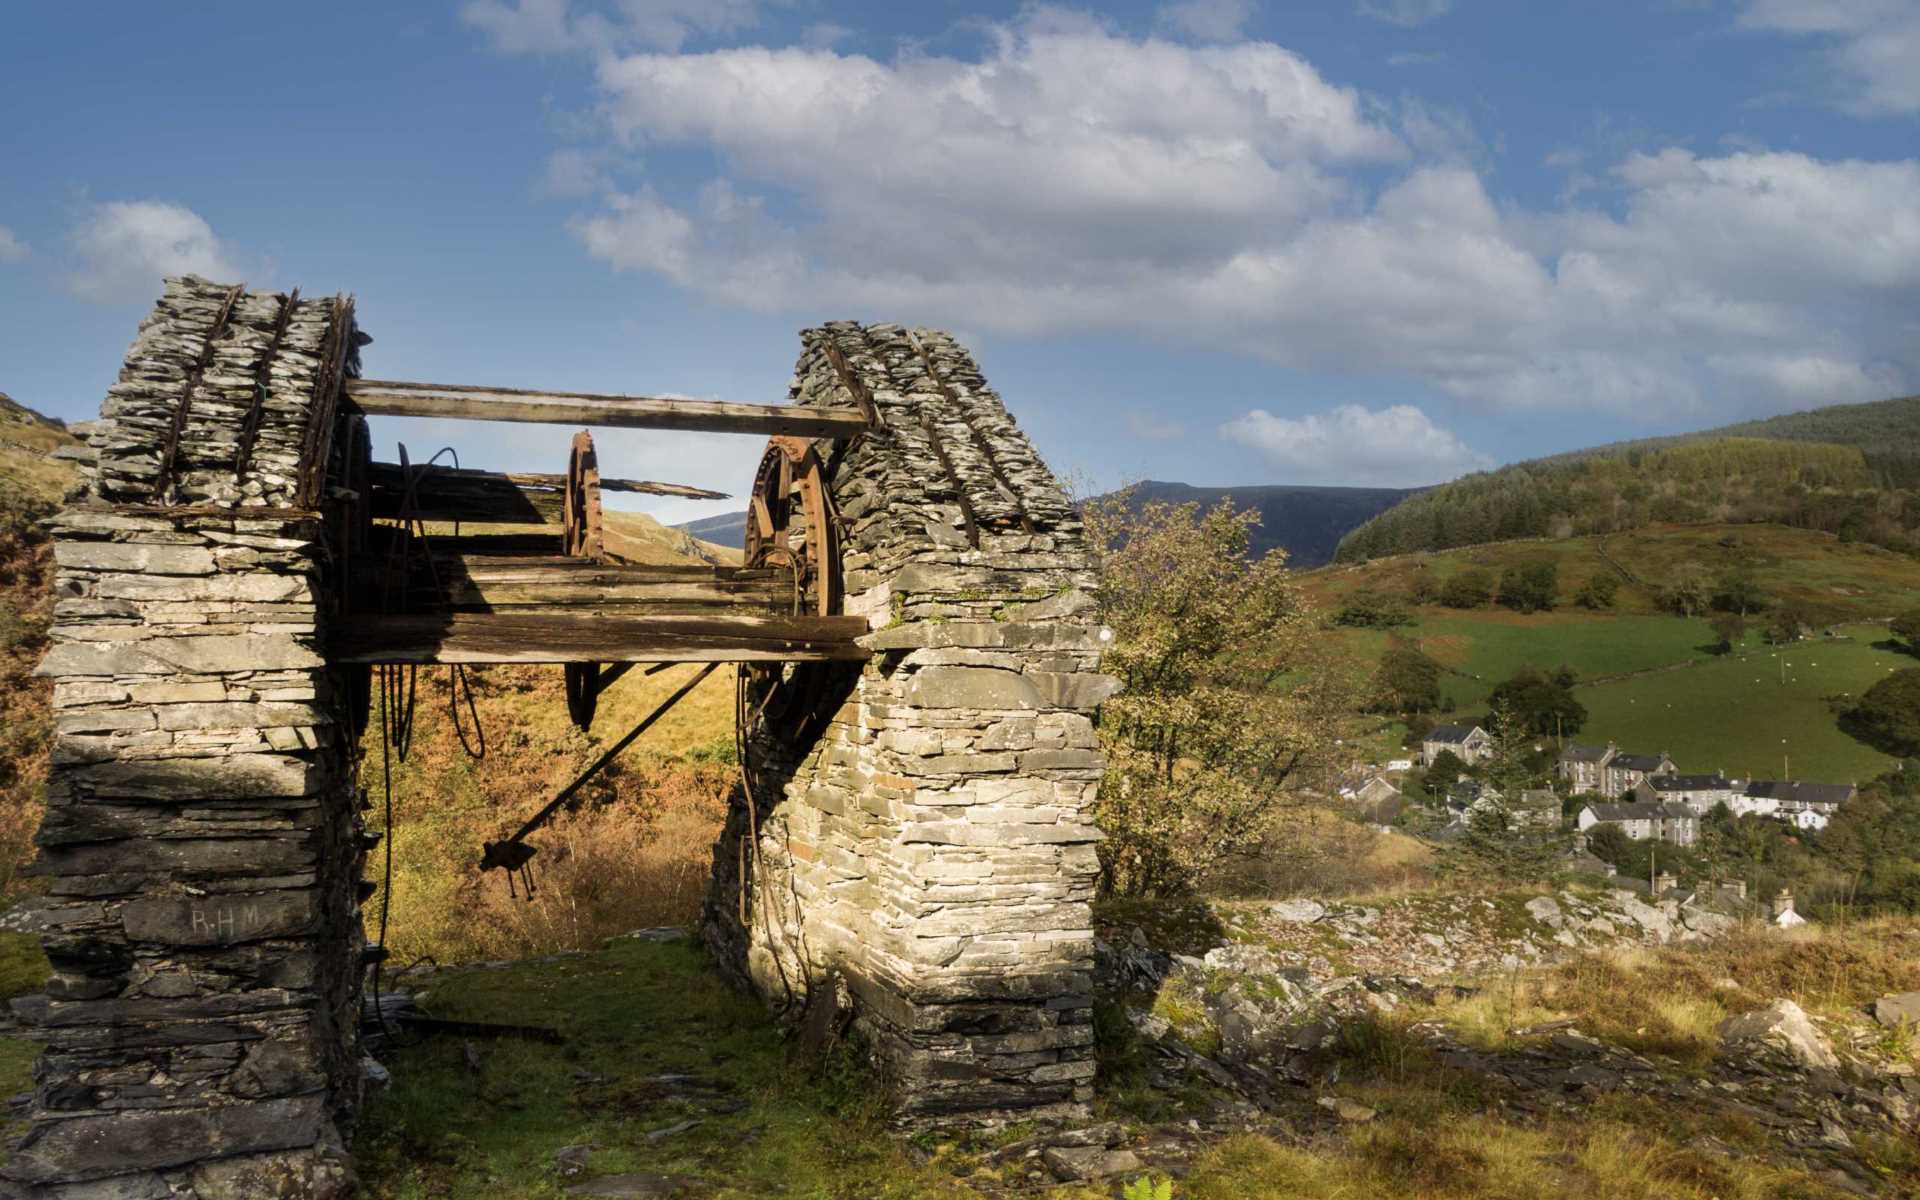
1689 783
1575 752
1456 734
1638 762
1790 791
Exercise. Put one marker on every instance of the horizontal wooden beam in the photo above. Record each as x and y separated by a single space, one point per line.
477 582
549 638
389 398
498 497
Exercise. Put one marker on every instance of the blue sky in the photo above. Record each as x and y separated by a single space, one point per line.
1224 241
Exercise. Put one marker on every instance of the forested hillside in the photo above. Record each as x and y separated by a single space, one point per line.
1851 470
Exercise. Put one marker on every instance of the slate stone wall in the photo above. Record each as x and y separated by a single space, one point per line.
932 845
201 849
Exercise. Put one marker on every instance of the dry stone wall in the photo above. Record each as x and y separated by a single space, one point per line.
932 848
201 849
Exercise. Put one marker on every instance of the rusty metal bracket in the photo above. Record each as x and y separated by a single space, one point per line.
862 398
328 385
262 377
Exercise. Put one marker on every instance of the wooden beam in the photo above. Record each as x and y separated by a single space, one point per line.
547 638
389 398
494 585
496 497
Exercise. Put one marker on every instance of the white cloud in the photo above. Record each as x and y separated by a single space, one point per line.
1406 13
1208 20
123 249
1875 45
12 249
1388 447
1072 179
561 26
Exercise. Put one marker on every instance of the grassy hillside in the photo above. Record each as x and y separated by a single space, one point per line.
1849 469
1652 680
31 486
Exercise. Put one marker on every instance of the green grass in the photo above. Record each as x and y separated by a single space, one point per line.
630 1014
23 967
1736 713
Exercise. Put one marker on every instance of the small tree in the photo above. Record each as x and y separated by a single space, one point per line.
1789 623
1446 771
1470 588
1540 704
1368 609
1529 587
1230 699
1729 630
1501 837
1598 591
1407 681
1688 590
1887 717
1737 591
1906 628
1423 588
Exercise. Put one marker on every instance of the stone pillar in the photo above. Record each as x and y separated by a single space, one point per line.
923 832
200 846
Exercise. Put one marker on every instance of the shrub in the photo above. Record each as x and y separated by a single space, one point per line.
1470 588
1230 696
1529 587
1598 592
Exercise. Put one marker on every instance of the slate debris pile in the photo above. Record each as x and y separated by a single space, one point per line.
201 848
934 843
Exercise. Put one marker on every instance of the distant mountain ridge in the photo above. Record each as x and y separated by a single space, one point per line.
1306 522
1848 469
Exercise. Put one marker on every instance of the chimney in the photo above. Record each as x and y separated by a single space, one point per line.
1782 903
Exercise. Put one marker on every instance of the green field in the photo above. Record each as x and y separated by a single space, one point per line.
1709 712
1483 647
1744 714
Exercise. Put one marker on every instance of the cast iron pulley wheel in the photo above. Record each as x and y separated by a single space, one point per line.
581 527
582 537
790 524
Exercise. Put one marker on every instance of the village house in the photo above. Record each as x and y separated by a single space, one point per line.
1377 800
1624 771
1469 743
1538 808
1584 767
1698 792
1802 805
1661 820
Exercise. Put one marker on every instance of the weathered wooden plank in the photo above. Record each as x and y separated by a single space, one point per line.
547 638
391 398
476 582
501 497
